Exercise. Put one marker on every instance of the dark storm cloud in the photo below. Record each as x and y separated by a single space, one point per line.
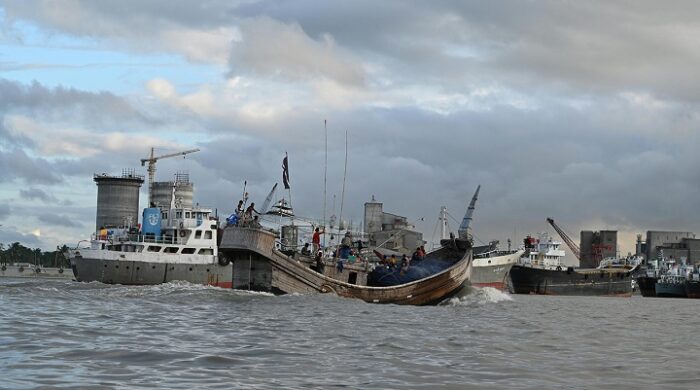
59 220
37 194
16 164
102 109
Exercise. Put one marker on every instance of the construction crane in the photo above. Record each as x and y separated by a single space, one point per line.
574 248
152 167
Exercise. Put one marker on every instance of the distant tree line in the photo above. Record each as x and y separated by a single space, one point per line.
18 253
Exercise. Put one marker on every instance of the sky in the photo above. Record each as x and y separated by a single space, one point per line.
586 112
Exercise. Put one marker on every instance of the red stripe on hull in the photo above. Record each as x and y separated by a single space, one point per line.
497 285
222 284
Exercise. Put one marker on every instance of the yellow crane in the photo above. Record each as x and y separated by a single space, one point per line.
151 160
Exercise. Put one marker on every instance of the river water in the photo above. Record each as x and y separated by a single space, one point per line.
60 334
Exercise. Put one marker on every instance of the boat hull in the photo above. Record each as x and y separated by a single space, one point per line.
670 290
692 289
493 271
259 266
148 273
647 285
528 280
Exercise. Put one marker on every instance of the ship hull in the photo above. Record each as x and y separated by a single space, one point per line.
148 273
528 280
670 290
647 286
493 271
692 289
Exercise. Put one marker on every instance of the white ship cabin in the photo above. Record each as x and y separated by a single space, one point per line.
544 253
183 231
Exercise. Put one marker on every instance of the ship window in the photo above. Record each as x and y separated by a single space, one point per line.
171 249
187 251
585 277
178 214
154 248
207 235
206 251
352 278
187 214
213 226
198 234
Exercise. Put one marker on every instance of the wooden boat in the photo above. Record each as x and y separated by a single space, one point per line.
258 265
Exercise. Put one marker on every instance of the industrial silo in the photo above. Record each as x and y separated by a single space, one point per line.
162 192
118 199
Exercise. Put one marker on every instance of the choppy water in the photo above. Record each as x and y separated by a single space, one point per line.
57 334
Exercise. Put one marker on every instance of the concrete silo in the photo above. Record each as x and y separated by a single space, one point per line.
184 190
117 199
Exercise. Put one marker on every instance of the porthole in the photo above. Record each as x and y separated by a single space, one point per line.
190 268
154 267
138 268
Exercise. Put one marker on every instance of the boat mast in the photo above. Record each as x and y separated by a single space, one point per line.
444 231
325 178
345 174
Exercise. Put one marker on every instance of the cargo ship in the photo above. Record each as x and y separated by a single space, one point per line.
540 271
174 244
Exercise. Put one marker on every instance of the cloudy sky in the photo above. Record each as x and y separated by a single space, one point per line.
584 111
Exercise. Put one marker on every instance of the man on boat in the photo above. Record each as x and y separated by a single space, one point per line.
319 262
239 209
305 250
316 239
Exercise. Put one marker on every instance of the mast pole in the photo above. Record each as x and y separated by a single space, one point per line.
325 178
345 174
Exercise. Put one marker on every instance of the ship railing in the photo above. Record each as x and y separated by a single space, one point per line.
151 239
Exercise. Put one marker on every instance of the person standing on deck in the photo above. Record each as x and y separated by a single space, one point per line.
239 209
316 239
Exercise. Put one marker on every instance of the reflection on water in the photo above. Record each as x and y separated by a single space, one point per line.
178 335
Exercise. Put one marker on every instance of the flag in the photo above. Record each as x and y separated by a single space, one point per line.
285 172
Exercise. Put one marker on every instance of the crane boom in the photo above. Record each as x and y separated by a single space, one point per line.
151 160
574 248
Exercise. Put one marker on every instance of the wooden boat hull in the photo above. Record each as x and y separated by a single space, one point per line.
253 251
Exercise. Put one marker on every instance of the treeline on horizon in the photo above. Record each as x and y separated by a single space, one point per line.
18 253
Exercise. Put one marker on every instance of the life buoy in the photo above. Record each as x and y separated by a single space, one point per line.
183 233
60 270
224 261
21 269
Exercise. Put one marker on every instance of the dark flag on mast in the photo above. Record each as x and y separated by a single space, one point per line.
285 172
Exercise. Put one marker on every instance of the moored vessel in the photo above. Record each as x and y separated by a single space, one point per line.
670 286
491 266
174 243
540 271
